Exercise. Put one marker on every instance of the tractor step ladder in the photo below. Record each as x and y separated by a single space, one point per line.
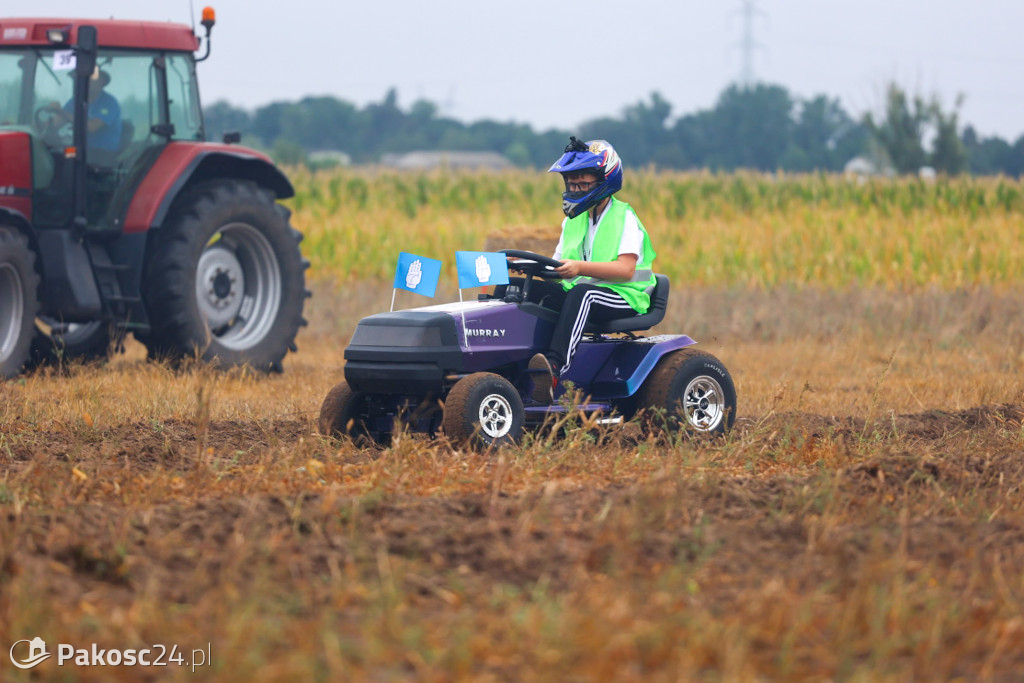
117 304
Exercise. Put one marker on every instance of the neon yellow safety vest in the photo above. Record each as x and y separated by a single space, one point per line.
606 249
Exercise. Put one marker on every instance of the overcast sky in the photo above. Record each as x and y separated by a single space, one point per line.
556 64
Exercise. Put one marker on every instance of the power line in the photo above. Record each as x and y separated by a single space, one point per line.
748 45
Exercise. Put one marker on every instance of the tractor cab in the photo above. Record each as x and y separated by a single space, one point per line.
90 128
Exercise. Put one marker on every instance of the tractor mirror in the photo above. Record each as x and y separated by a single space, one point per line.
85 59
165 130
232 138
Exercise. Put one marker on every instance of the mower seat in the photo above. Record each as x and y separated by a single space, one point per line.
644 321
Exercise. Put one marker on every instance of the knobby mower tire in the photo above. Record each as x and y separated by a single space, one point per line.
689 389
345 412
483 409
19 301
225 279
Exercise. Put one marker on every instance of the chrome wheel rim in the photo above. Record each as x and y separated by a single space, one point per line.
495 416
12 309
238 286
704 403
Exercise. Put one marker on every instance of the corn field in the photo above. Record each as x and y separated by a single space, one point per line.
755 231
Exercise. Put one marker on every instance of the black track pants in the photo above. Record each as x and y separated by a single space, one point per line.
583 304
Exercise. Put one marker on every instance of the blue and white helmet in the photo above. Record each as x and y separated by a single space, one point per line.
596 156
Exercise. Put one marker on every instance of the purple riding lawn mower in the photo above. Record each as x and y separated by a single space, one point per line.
462 369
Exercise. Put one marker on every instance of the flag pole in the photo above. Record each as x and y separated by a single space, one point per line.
394 290
462 309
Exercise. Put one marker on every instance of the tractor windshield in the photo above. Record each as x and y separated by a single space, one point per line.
28 81
138 97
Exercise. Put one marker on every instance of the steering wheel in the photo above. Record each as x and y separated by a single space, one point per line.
44 121
533 264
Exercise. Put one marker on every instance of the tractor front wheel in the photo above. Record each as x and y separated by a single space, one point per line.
19 301
483 409
225 279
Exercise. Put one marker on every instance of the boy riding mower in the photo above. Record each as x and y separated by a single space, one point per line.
462 368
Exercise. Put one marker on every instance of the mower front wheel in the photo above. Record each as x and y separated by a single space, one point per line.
347 412
483 409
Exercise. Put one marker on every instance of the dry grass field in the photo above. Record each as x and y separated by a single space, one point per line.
864 521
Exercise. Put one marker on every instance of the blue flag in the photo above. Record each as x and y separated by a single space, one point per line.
481 268
417 274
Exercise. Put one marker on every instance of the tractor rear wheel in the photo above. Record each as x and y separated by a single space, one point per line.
689 389
483 409
19 301
225 279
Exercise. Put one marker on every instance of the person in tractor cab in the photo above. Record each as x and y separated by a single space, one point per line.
606 257
104 115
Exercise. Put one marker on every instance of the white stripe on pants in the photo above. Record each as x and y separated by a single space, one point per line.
601 297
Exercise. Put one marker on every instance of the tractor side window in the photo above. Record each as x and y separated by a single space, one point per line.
183 96
129 86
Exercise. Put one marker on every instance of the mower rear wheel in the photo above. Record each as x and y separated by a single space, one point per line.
689 389
225 279
19 301
483 409
346 412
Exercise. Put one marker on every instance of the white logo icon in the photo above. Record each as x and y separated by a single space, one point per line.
415 274
36 653
483 268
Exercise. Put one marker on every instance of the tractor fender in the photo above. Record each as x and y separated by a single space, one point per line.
20 222
660 347
15 219
183 164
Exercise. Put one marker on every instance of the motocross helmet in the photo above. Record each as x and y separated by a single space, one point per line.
597 157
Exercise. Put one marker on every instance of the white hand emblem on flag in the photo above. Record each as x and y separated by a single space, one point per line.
415 274
483 269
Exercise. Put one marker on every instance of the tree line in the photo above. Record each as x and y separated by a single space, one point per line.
761 127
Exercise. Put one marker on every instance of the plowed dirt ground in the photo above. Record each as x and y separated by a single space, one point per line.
862 522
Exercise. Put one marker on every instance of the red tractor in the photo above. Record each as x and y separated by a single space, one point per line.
116 216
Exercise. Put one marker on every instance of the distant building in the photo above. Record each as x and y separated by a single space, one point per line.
425 161
863 166
327 158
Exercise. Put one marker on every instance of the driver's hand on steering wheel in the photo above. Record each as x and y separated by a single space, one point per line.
57 114
569 269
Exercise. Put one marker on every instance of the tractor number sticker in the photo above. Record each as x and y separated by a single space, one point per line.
63 60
